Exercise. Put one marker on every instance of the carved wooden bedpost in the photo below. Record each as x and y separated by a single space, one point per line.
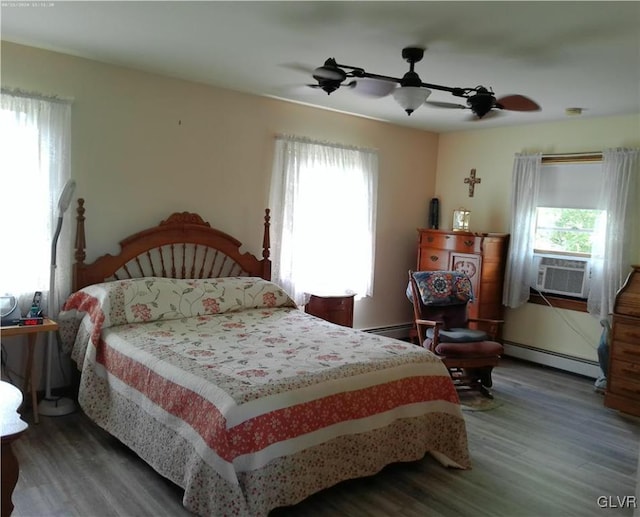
266 244
81 244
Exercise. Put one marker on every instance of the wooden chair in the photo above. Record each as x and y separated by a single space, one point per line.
440 300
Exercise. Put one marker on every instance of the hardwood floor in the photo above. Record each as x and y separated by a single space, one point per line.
550 449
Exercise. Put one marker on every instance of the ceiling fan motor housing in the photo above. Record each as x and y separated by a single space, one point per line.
482 102
329 72
412 54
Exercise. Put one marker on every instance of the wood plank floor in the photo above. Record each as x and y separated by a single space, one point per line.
550 449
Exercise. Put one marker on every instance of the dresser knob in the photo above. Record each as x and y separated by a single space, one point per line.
434 258
468 243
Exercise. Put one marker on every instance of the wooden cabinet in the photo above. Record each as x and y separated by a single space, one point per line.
336 309
623 379
481 255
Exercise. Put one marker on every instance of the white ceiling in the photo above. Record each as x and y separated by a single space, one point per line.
561 54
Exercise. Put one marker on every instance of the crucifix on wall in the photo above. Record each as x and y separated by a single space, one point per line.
472 180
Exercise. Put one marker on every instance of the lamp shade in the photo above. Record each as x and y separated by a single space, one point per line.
411 97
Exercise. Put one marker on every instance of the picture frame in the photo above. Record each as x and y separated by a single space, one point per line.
461 220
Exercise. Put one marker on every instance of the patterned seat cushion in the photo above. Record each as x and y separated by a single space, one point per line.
469 350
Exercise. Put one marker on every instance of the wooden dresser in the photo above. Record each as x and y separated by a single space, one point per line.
623 379
481 255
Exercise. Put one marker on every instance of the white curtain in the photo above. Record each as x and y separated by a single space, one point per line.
526 184
611 256
35 135
323 202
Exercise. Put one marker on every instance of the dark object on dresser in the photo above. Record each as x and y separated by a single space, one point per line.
434 213
623 379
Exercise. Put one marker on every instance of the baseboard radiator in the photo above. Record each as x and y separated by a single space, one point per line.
554 359
557 360
395 331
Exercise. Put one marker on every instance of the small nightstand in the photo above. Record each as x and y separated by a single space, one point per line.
31 331
337 309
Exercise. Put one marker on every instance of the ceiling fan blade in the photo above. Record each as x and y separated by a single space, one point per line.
299 67
517 103
373 87
450 105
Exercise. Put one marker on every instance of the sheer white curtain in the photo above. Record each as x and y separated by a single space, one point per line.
323 203
611 256
35 134
526 184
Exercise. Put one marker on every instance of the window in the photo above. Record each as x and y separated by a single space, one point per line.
566 222
34 164
565 230
567 214
578 206
323 201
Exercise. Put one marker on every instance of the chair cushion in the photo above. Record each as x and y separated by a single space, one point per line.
458 335
469 350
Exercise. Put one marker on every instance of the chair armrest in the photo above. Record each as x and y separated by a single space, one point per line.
436 325
493 325
431 323
486 320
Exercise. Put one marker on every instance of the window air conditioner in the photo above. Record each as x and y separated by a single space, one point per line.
564 275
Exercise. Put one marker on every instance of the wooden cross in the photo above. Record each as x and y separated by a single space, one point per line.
472 180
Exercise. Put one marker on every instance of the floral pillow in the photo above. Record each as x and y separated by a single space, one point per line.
153 298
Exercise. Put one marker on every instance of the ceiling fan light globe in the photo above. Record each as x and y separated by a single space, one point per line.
411 98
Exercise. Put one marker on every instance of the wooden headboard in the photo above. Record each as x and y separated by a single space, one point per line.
181 246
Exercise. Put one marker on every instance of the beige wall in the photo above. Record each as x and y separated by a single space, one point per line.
491 153
146 145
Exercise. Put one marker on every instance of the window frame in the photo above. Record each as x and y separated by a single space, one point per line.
555 300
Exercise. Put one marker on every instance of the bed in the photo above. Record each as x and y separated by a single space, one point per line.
190 356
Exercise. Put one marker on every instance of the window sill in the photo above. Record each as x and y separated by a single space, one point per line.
560 302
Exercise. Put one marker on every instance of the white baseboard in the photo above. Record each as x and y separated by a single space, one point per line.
553 359
395 331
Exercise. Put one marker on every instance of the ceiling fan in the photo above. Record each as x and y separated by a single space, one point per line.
410 92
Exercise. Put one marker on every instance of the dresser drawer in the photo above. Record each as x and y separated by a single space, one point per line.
625 351
432 259
465 242
624 379
627 330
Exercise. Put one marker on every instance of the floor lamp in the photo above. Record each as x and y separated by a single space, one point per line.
49 405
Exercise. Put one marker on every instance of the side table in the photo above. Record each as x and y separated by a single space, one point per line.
31 331
11 427
337 309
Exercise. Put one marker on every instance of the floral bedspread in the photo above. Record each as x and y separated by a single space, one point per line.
248 403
